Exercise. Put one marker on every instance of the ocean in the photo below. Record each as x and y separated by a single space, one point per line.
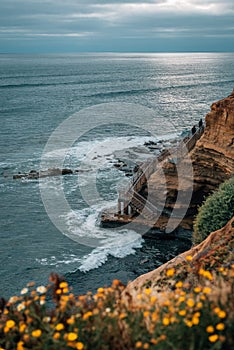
168 93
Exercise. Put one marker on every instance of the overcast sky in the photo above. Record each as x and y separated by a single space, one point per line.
116 25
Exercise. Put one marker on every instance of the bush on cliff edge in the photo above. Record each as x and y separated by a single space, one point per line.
215 212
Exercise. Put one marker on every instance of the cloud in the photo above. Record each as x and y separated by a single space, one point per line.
102 20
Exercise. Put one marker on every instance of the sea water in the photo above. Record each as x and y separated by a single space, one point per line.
37 94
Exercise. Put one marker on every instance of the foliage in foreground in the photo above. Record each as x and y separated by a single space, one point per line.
186 317
215 212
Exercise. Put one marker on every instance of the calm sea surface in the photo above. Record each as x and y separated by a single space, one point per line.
37 93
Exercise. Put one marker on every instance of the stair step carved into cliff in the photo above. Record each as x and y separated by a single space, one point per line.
130 201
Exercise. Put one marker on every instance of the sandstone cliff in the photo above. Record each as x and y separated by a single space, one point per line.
214 251
212 161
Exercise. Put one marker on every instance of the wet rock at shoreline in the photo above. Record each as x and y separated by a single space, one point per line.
34 174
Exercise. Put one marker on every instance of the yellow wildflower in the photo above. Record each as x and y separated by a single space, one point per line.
138 344
116 282
222 314
65 290
181 299
153 299
210 329
56 335
146 313
36 333
189 323
170 272
190 302
6 329
182 312
208 275
87 315
59 327
72 336
179 284
206 290
220 326
26 337
79 346
100 290
63 285
146 346
197 289
213 338
189 258
22 328
166 321
70 320
10 324
20 345
148 291
122 315
195 320
199 305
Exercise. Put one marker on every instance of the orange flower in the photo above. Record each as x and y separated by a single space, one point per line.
189 258
213 338
72 336
190 302
63 285
179 284
210 329
10 324
138 344
166 321
182 312
20 345
56 335
170 272
220 326
59 327
37 333
222 314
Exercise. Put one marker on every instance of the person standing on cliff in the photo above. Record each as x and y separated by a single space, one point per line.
193 129
200 123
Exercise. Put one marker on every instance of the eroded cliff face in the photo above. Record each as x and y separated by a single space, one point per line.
216 249
212 161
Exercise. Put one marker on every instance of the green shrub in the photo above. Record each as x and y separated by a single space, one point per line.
215 212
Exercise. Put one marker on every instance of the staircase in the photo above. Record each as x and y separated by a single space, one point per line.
131 196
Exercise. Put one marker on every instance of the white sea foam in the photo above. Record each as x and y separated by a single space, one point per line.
96 153
118 243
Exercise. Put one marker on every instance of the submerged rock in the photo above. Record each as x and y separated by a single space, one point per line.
34 174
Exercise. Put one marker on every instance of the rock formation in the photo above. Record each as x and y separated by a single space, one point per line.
214 250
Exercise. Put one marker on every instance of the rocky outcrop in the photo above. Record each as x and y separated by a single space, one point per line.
34 174
214 250
212 160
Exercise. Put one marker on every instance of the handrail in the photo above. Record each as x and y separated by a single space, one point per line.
150 165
